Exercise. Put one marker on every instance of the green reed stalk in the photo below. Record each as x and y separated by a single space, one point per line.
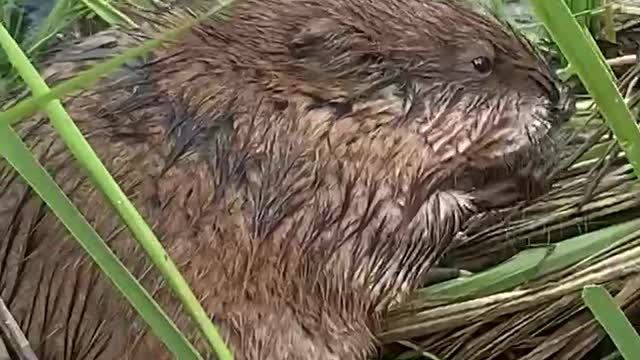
83 152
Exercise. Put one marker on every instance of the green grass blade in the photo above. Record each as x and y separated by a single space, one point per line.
613 320
532 263
83 152
108 13
18 155
504 276
587 62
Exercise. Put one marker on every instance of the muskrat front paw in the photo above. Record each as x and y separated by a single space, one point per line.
508 192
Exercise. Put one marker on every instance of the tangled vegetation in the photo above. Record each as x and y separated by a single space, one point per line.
558 278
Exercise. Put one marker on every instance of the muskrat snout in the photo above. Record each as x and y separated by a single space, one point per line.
562 98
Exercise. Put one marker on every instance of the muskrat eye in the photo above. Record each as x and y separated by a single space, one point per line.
482 64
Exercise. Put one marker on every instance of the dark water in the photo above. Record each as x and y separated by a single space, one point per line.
38 9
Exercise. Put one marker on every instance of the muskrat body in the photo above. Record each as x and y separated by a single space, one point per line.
304 164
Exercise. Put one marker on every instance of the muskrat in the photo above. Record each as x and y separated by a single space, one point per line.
304 162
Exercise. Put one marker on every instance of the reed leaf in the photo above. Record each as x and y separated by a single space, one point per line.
613 320
532 263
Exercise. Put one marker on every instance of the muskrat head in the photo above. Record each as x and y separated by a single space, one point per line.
462 86
465 83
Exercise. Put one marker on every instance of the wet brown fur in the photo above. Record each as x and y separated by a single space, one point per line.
297 195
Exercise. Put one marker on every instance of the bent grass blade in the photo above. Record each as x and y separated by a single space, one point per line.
613 321
532 263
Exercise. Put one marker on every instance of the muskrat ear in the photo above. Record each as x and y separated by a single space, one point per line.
322 37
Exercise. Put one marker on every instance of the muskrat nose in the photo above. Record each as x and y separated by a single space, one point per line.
563 102
547 84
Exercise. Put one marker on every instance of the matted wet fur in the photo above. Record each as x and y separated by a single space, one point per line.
304 163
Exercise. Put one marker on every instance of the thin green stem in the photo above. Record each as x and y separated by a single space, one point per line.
83 152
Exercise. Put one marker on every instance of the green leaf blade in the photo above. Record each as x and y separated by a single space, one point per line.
613 320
